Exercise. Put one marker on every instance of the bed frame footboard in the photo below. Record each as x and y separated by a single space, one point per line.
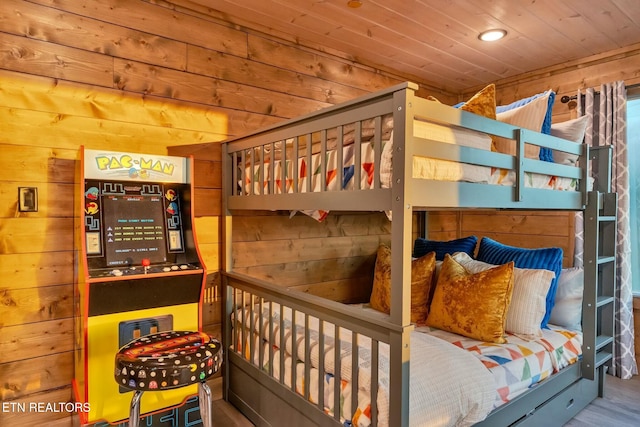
268 385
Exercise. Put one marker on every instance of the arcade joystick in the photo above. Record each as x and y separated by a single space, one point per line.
146 263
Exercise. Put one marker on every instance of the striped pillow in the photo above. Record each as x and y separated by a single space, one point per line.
423 246
544 258
529 116
546 154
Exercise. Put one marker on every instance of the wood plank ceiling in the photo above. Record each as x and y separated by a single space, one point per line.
437 40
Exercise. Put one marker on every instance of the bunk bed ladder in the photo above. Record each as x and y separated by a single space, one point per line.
600 230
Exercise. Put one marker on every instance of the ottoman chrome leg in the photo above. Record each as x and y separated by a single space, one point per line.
204 395
134 412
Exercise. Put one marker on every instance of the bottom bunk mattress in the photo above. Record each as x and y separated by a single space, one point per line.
519 363
455 381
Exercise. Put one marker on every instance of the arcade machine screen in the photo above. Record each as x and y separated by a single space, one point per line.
134 229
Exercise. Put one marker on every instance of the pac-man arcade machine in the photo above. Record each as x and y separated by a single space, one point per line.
139 272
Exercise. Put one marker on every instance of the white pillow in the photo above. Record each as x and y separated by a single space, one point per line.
452 135
439 169
529 116
529 298
571 130
386 163
567 311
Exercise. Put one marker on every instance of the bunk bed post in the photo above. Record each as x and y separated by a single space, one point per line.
423 224
601 158
401 239
227 189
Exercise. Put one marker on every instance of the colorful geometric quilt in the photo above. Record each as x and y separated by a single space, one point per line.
519 364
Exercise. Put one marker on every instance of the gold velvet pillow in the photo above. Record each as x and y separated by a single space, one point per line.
473 305
422 270
482 103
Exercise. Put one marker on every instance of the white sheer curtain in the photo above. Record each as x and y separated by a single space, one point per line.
607 126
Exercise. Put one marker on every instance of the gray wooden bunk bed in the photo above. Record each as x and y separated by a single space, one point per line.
263 385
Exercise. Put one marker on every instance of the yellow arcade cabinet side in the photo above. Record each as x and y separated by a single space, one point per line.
139 272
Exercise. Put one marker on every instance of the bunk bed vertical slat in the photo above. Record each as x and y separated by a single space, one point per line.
272 168
234 174
294 165
375 357
519 166
282 345
236 322
252 327
309 171
271 334
261 175
261 332
283 168
294 347
357 154
307 356
244 321
251 177
321 373
323 160
377 151
340 156
355 371
337 370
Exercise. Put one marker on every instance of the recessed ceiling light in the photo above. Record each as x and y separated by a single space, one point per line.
492 35
354 3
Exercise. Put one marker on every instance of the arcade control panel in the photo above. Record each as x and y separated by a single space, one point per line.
142 270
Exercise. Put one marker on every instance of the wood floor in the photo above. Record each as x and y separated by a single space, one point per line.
619 408
224 413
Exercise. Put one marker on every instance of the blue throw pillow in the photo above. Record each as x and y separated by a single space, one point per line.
494 252
423 246
546 154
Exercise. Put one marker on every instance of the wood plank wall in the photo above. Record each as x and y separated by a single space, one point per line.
333 259
134 76
143 76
